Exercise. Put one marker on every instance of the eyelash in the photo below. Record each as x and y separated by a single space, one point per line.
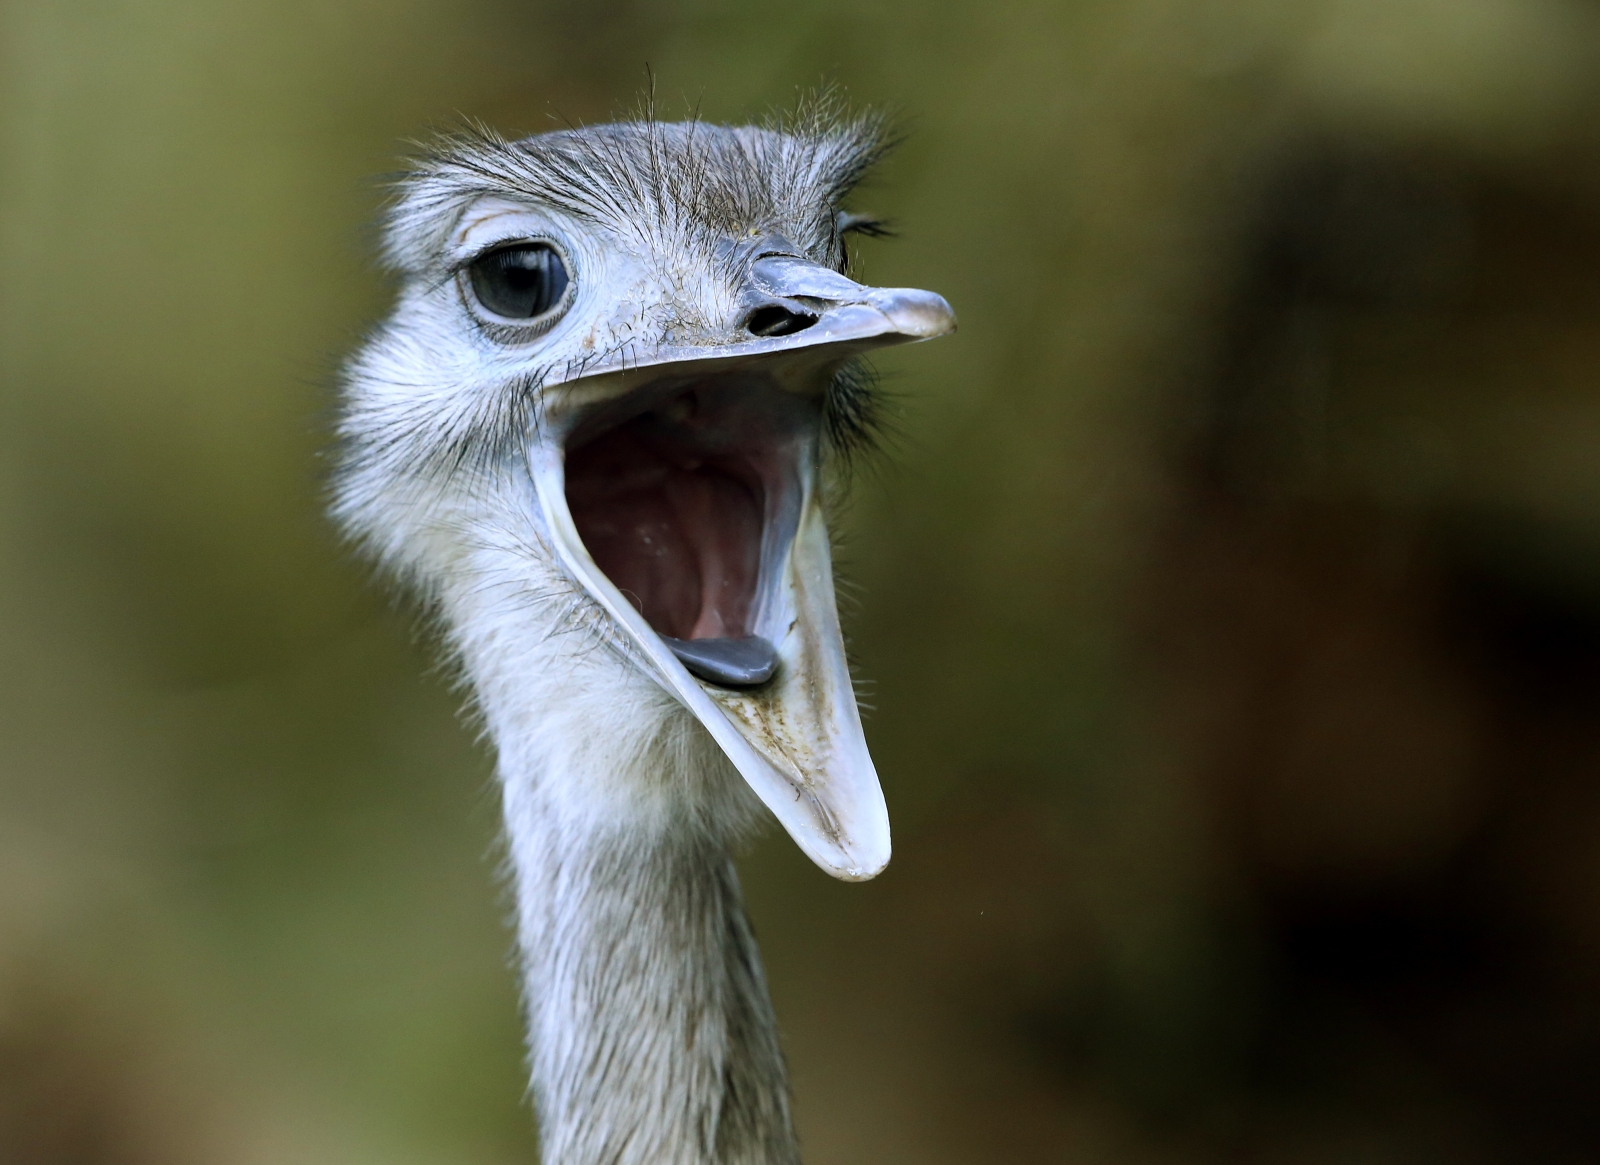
461 264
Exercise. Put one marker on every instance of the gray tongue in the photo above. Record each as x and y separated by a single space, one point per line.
733 663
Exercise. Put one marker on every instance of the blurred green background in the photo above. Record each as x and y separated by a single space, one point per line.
1231 589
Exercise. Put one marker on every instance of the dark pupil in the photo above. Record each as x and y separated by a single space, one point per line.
519 282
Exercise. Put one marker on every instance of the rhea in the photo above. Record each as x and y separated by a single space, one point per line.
595 435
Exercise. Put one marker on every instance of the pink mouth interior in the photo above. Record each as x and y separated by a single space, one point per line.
671 505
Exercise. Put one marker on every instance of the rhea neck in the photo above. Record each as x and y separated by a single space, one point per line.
652 1038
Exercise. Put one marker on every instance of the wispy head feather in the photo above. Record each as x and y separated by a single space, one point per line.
661 180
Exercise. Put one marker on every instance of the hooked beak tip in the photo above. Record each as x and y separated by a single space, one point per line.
921 315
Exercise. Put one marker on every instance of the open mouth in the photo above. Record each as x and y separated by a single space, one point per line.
686 495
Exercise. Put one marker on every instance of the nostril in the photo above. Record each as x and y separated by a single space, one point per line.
777 320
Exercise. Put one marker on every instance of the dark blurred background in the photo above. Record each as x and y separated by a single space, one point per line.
1232 588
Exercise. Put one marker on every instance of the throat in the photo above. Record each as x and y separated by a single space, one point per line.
651 1032
674 527
686 496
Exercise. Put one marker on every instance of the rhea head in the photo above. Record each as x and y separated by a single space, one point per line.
595 434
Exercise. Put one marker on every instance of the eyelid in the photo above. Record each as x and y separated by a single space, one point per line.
518 240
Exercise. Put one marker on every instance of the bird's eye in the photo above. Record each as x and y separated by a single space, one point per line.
521 282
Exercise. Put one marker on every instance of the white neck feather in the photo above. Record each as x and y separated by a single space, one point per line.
651 1033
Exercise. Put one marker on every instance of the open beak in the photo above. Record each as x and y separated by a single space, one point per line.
680 487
